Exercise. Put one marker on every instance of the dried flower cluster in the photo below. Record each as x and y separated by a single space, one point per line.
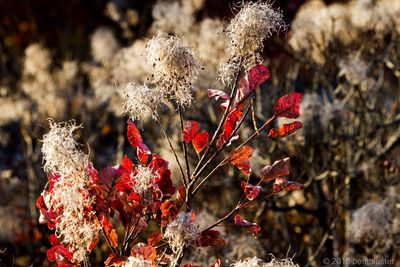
67 203
174 68
135 262
372 228
256 262
182 231
246 34
140 101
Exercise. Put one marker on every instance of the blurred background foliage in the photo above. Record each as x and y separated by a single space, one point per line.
66 60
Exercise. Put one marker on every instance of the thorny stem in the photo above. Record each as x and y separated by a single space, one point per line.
173 150
257 132
184 147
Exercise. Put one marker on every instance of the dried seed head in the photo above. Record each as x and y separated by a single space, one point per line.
135 262
60 150
143 179
140 101
76 225
183 230
249 28
174 68
256 262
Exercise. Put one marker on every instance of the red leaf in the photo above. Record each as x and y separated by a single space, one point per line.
144 251
254 228
251 191
190 130
190 265
136 140
285 130
288 106
180 195
163 175
217 263
217 94
240 158
282 184
278 169
200 141
210 238
103 187
255 77
134 136
168 212
109 231
229 126
154 239
115 260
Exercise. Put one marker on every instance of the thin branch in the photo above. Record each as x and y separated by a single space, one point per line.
172 148
221 123
268 122
184 148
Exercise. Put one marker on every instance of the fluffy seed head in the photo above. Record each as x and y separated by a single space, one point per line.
140 101
371 227
103 44
256 262
143 179
183 230
174 68
76 225
135 262
60 150
249 28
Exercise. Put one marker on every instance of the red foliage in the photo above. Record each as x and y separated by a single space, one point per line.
190 134
250 190
240 158
144 251
282 184
136 140
288 106
278 169
115 260
253 227
229 126
210 238
285 129
254 78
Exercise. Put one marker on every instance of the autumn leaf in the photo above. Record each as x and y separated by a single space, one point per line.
154 239
109 231
200 141
217 94
285 130
282 184
253 227
210 238
288 106
229 126
136 140
254 78
240 158
115 260
190 130
217 263
168 212
250 190
144 251
278 169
